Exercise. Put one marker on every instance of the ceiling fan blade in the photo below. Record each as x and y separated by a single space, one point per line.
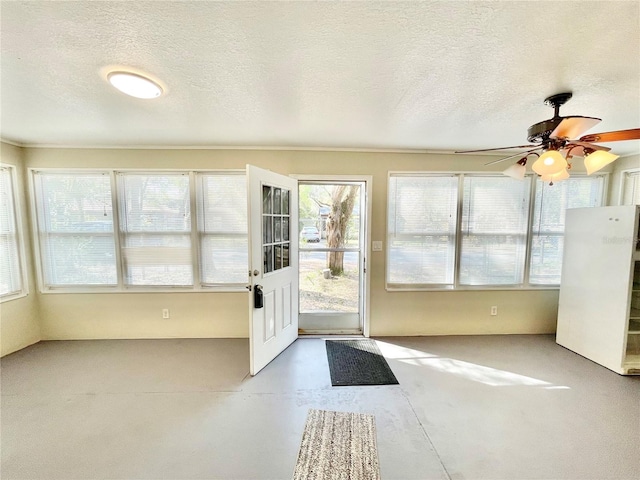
616 136
581 146
493 149
512 156
572 127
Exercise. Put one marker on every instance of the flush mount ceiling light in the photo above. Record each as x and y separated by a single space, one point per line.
135 85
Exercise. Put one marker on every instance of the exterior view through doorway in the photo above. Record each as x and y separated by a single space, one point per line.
332 250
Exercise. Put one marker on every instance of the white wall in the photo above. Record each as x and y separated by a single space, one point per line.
137 315
19 318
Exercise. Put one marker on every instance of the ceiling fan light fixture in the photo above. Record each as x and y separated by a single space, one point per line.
562 175
596 160
549 163
135 85
517 170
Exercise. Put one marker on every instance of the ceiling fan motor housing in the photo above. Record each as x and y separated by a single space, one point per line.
540 132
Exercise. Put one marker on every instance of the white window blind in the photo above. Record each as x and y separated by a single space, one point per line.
421 229
547 228
631 188
75 227
494 222
155 228
222 228
10 261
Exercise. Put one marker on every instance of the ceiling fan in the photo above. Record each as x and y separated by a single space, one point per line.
555 139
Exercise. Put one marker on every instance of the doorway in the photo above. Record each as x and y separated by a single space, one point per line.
333 232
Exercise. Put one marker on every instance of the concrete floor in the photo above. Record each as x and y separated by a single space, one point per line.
484 407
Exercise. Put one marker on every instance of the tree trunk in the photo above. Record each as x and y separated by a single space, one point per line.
343 198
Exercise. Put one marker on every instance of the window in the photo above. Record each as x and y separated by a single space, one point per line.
421 229
222 228
11 273
121 231
75 229
495 213
473 230
631 188
155 225
547 227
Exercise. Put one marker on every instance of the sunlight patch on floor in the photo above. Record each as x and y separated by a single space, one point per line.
471 371
392 351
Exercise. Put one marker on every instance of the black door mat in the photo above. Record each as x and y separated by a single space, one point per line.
358 362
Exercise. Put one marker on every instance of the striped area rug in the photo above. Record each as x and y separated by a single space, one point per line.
338 446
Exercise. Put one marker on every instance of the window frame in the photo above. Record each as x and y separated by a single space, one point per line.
19 235
120 205
121 287
456 286
624 179
459 230
200 234
531 234
454 241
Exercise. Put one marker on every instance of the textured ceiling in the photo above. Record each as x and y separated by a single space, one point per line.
437 75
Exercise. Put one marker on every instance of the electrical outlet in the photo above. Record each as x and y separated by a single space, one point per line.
494 310
165 313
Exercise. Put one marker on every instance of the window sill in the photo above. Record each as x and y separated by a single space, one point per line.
139 290
13 296
479 288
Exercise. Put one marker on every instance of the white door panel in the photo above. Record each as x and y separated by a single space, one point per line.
273 257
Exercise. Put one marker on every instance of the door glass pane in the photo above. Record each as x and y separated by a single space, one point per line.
268 259
285 202
266 199
278 257
276 201
285 229
285 255
277 229
267 236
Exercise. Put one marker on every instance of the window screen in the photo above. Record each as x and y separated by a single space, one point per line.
421 229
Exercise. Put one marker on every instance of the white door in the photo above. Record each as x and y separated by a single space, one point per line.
273 262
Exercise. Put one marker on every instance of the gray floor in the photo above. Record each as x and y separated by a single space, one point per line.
485 407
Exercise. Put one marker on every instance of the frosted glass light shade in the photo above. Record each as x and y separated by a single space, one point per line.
556 177
517 171
549 163
597 160
135 85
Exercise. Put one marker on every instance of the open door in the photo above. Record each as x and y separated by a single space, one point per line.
273 262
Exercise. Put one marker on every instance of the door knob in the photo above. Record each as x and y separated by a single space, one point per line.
256 273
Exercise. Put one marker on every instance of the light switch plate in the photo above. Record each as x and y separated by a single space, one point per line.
376 246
